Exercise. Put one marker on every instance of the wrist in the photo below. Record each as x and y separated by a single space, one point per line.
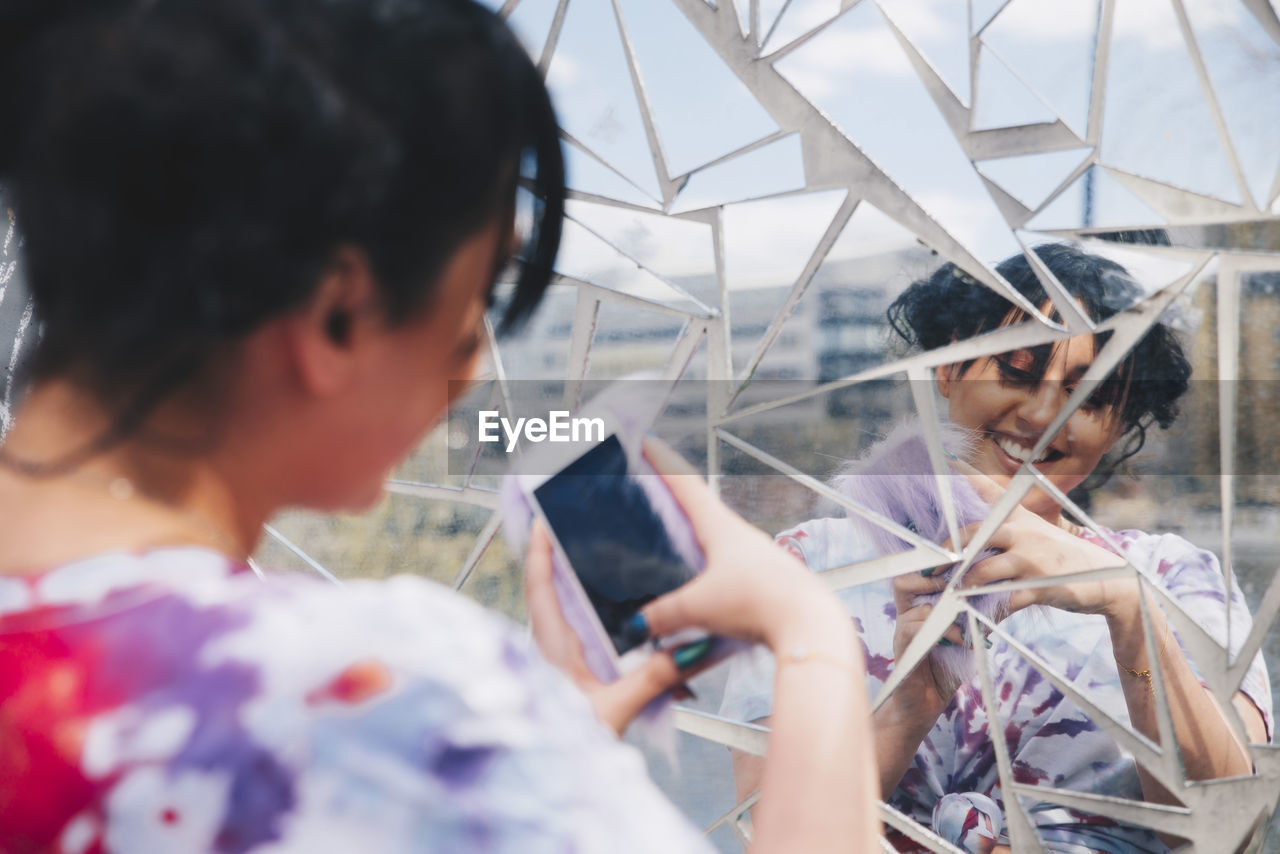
905 717
1128 634
809 618
1121 605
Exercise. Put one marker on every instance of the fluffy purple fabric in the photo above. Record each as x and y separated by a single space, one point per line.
895 479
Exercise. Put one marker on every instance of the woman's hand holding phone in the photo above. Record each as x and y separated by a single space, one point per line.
616 703
751 588
820 780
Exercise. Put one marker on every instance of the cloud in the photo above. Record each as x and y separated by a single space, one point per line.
818 68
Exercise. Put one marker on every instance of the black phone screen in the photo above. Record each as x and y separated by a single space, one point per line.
615 541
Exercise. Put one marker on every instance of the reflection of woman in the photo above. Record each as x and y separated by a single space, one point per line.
936 760
261 235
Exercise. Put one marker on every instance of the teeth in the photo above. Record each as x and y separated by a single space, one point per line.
1015 450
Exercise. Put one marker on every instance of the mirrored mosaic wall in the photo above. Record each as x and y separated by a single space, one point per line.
754 182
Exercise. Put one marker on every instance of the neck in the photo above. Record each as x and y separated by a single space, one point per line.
154 492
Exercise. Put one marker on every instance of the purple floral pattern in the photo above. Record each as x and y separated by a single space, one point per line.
170 701
1051 742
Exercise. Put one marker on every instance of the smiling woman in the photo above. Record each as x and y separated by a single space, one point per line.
1011 398
934 740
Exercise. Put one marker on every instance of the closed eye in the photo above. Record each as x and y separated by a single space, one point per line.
1015 375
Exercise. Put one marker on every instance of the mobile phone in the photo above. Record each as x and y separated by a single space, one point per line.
619 537
604 523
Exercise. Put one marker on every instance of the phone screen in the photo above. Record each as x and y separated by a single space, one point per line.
615 541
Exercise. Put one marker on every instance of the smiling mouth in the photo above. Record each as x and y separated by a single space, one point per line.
1022 453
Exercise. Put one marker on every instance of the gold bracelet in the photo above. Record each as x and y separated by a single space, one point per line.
1146 674
800 654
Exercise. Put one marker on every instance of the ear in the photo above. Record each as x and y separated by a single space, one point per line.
944 376
328 337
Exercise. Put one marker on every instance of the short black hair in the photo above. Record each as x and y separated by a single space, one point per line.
1146 386
183 170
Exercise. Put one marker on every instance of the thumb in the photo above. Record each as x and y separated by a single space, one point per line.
676 610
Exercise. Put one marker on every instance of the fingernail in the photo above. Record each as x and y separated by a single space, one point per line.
928 573
945 642
987 641
691 653
636 630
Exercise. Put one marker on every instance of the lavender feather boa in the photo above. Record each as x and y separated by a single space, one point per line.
895 479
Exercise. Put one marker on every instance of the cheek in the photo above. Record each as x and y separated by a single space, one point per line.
1090 434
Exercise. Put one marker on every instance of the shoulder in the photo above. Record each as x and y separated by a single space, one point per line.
469 736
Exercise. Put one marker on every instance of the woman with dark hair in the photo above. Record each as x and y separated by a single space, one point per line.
261 236
933 736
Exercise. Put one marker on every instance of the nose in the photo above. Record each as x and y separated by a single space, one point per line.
1039 408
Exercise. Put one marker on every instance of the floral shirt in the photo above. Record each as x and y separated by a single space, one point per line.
1051 742
171 701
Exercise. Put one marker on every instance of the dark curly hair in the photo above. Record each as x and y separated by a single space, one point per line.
183 170
1145 386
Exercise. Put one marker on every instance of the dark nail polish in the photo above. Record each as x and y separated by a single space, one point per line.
684 693
945 642
987 641
928 573
691 653
636 631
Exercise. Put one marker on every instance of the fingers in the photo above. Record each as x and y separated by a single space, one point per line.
550 631
911 620
933 580
619 702
676 610
539 593
999 538
1005 566
953 636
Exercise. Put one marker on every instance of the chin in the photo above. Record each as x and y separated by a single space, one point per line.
351 500
366 500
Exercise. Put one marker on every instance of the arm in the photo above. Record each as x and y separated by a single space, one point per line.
1033 548
1210 749
819 780
901 723
818 783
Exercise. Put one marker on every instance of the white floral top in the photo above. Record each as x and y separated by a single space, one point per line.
172 701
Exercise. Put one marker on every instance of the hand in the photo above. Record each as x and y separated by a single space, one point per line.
751 588
1033 547
616 703
921 696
